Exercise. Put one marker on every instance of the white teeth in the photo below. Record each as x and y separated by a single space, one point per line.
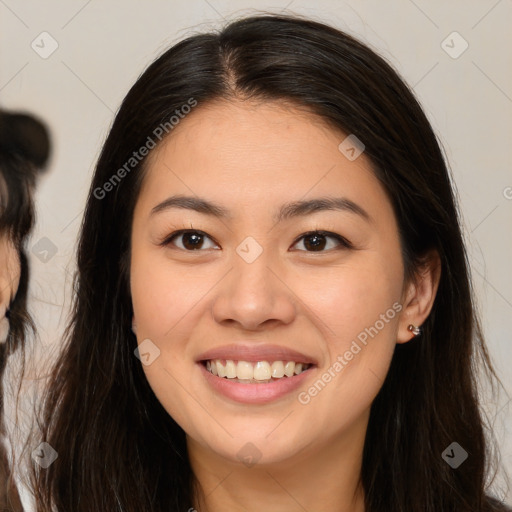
230 369
221 369
289 368
244 370
277 369
260 371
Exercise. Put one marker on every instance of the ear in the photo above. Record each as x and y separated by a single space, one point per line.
419 295
134 326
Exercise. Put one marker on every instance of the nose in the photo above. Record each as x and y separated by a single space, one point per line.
254 296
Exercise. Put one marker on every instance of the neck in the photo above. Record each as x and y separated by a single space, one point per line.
323 477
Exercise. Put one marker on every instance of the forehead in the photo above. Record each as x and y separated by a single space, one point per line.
257 153
249 126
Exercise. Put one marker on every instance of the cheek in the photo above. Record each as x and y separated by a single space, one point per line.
9 270
165 298
358 308
350 298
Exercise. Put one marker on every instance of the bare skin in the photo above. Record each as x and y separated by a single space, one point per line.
9 281
251 158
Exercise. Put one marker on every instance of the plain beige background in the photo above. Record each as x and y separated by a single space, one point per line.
463 80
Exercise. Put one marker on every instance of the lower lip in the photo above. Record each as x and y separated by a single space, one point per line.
254 393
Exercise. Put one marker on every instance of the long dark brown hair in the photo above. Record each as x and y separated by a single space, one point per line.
118 449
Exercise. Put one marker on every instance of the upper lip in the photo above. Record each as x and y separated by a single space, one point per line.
252 352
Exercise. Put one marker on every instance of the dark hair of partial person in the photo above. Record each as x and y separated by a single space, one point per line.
24 153
118 449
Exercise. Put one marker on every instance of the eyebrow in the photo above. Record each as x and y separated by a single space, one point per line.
287 211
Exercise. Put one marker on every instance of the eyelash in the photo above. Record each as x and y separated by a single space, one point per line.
343 242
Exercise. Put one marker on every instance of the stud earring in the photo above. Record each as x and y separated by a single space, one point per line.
414 329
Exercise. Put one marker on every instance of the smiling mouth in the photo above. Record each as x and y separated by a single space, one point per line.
257 372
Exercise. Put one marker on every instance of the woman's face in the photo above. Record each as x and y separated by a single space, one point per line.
250 289
9 280
9 270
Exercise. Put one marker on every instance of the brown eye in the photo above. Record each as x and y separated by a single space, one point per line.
190 240
316 241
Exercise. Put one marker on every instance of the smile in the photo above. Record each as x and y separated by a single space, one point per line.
247 372
258 382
